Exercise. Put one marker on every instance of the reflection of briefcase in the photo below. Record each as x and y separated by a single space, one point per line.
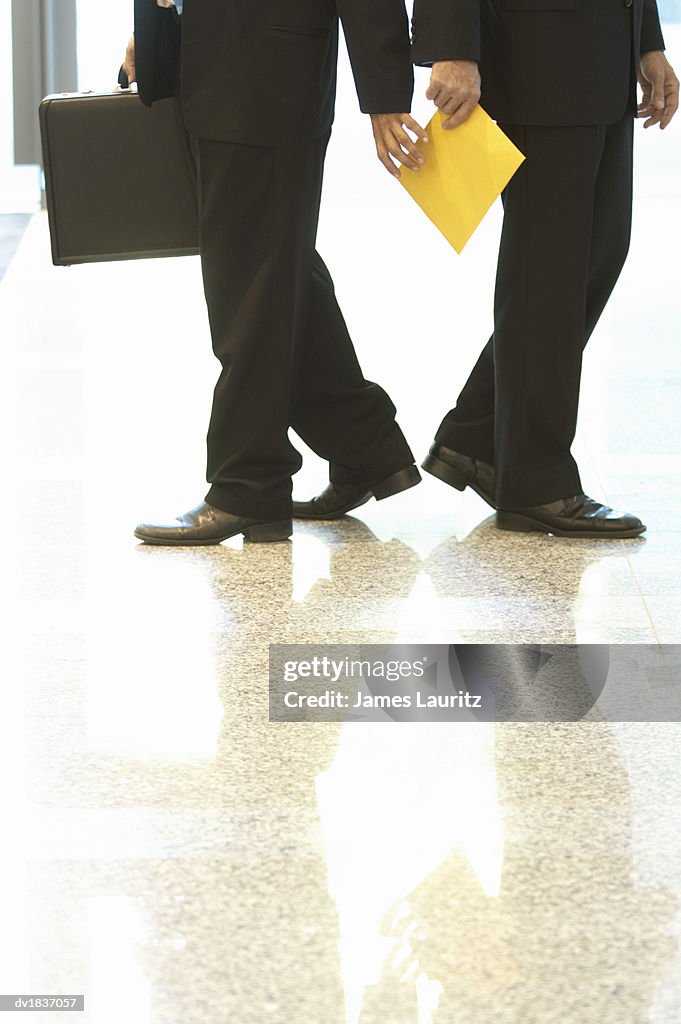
118 178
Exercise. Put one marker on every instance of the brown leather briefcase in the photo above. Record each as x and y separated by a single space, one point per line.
119 178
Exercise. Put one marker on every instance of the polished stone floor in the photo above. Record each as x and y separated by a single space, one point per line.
178 859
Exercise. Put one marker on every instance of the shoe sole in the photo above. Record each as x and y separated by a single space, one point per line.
517 523
260 533
400 481
443 471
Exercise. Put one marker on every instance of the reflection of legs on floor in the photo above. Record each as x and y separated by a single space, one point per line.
567 217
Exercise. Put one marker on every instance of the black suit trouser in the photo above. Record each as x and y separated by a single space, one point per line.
287 358
565 237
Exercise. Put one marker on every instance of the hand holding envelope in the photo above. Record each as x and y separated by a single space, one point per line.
466 169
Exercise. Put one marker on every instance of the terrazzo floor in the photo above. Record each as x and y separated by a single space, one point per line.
178 859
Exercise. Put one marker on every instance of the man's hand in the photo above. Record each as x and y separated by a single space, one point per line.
455 89
393 143
660 90
129 62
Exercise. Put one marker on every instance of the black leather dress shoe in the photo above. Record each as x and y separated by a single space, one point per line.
206 524
461 471
579 516
339 499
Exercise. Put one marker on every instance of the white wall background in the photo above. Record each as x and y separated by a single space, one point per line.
19 186
103 32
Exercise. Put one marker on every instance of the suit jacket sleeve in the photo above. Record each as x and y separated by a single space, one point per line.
651 30
157 50
377 34
446 30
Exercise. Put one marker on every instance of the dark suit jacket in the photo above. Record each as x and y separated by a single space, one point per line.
263 72
557 62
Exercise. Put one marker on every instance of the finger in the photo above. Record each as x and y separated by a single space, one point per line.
415 127
387 162
450 103
666 118
398 154
670 109
412 149
657 96
653 116
452 122
433 91
461 115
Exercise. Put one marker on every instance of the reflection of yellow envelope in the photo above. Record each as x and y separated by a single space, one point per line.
466 169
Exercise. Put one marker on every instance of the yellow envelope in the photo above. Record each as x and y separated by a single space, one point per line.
466 169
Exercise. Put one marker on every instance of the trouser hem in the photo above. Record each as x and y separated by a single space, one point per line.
529 490
266 511
466 441
369 475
